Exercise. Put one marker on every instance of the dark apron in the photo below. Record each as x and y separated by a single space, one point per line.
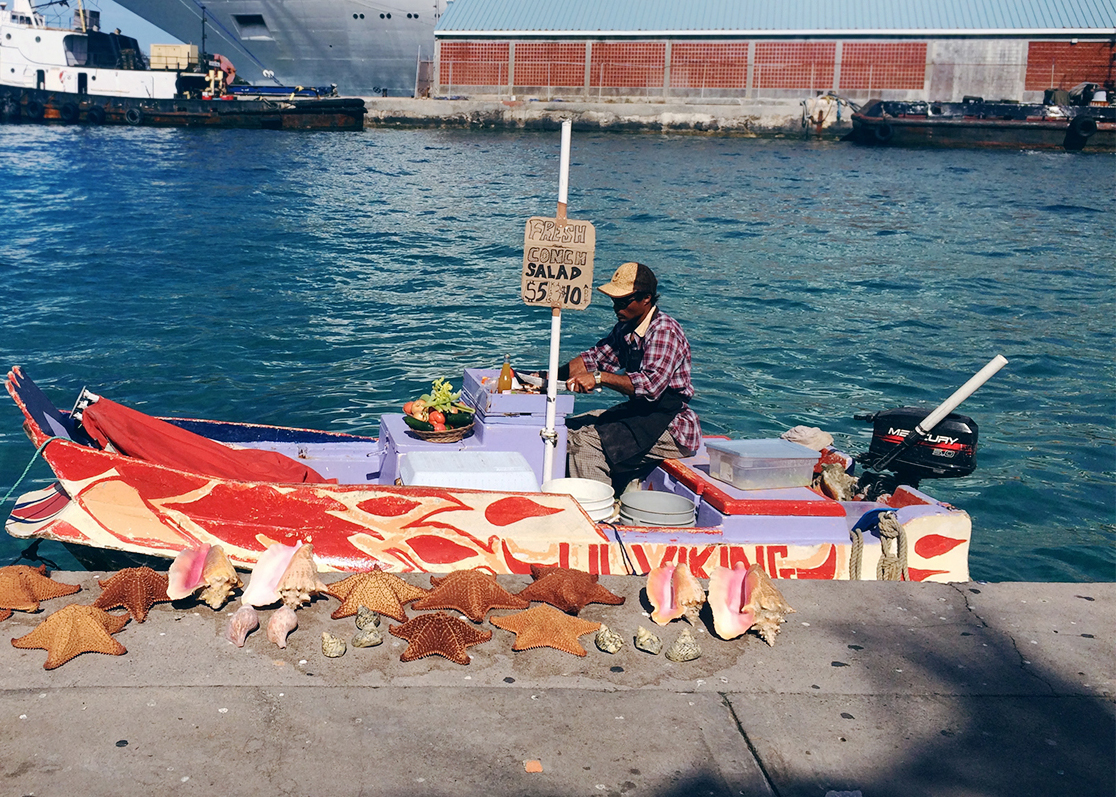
629 430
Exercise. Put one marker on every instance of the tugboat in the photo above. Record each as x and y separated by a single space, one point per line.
81 75
1082 118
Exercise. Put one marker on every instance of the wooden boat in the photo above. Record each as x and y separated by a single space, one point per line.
1061 123
81 75
357 502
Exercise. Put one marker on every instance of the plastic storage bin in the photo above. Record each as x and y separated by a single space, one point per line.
761 464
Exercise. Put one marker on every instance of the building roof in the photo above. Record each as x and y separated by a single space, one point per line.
778 18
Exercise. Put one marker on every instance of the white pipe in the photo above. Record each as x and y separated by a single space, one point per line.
549 435
983 375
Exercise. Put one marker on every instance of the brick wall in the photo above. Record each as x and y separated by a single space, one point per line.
717 65
1061 65
794 65
872 66
474 63
628 64
560 64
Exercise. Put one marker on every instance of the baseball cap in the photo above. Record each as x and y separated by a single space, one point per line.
630 278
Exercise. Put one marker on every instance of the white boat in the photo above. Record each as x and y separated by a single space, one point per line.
51 74
366 49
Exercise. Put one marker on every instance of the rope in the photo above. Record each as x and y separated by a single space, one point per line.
26 470
628 564
892 566
856 555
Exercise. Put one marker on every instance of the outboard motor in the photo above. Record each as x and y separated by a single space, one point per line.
947 452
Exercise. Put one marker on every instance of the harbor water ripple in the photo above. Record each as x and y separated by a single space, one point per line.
320 280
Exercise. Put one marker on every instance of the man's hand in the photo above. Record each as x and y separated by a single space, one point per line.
582 383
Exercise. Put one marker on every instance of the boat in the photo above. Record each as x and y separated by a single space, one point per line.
134 484
1080 119
82 75
371 50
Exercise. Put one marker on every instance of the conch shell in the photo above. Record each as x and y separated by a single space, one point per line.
646 641
674 591
281 624
241 624
300 580
284 572
834 482
206 568
742 599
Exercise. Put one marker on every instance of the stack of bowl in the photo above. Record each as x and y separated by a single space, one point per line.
651 508
595 497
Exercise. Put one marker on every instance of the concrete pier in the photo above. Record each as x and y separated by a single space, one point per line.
745 117
871 688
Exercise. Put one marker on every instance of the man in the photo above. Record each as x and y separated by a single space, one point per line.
646 357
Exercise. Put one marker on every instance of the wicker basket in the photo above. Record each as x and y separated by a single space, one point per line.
446 436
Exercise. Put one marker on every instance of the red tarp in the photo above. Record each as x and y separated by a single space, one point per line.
137 435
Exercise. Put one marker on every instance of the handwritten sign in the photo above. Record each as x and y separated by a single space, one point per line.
558 262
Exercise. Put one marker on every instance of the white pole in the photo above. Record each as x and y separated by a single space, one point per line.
550 436
927 424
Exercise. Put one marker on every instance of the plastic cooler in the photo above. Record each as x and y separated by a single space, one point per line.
761 464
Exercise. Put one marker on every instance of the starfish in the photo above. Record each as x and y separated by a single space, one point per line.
137 589
381 592
73 630
546 627
22 587
569 590
438 634
470 592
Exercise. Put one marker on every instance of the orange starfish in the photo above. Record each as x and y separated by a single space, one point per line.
376 590
137 589
22 587
470 592
73 630
438 634
569 590
546 627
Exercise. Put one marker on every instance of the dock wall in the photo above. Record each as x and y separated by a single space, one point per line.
757 117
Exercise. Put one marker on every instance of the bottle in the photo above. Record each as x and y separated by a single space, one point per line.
505 383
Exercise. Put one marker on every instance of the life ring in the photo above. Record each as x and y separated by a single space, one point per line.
68 112
95 115
133 116
883 132
35 110
1083 126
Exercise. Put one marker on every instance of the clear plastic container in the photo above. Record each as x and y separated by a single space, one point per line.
761 464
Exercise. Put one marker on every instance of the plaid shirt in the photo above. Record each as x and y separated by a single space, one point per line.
657 360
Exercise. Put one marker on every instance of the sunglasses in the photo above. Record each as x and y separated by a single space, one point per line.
623 301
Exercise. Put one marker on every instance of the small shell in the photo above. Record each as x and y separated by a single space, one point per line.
220 578
332 646
241 624
300 580
608 640
368 638
366 618
282 622
645 640
685 648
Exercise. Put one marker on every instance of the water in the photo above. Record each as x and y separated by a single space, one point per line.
320 280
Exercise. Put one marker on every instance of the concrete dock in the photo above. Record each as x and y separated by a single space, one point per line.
871 688
755 117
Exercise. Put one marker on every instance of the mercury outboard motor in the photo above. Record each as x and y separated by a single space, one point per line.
947 452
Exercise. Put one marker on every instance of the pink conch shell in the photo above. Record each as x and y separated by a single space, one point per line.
281 624
263 588
205 567
742 599
300 580
241 624
674 591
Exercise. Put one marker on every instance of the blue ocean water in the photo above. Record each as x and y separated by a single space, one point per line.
320 280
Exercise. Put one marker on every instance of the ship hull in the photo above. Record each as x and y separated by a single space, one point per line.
365 51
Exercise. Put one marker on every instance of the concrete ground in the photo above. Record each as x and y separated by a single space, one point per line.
739 117
875 689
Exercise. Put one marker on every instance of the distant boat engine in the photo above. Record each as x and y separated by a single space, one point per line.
947 452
